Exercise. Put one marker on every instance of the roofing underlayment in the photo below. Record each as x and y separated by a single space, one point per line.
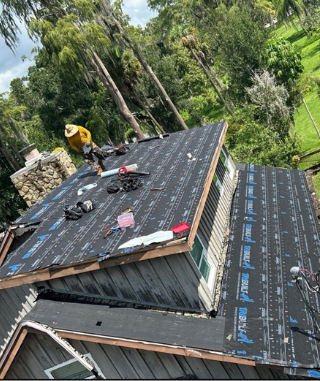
273 229
58 241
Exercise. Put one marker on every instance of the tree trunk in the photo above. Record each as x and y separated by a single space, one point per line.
10 159
143 106
106 79
215 76
160 87
311 118
211 81
141 59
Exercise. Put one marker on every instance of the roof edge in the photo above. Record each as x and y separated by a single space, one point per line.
174 247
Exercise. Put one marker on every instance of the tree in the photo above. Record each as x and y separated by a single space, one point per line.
271 100
284 8
284 61
114 29
191 43
241 49
72 38
249 141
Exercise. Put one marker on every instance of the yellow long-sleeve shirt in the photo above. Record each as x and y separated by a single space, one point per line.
77 140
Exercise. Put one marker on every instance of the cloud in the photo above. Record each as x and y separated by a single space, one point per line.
12 65
138 11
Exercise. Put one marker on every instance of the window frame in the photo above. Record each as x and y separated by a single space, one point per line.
204 256
87 355
217 183
226 163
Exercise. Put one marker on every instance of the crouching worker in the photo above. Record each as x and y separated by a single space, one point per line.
79 139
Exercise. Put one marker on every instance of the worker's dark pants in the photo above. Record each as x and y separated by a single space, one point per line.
97 152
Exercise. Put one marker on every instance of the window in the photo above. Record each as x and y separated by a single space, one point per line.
217 183
72 370
202 260
225 162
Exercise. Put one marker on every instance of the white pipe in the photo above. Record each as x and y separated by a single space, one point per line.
131 167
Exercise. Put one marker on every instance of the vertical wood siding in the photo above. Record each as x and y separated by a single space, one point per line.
40 352
171 281
15 303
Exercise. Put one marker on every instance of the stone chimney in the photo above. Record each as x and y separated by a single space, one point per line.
42 173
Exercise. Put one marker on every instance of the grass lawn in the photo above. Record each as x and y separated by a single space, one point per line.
309 47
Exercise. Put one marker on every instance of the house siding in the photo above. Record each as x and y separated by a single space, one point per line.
213 227
170 281
39 352
15 303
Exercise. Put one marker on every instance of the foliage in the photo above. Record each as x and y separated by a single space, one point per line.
252 142
284 61
241 50
310 22
271 100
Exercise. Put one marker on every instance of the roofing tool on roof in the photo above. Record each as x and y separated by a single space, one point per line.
111 230
111 172
126 172
127 210
86 188
157 188
180 228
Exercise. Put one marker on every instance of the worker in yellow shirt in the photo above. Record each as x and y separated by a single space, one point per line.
80 140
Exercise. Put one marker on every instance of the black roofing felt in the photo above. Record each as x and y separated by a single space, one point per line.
61 242
273 229
130 323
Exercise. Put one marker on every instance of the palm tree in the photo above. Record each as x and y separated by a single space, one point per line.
191 43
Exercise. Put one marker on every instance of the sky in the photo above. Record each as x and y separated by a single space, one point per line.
12 65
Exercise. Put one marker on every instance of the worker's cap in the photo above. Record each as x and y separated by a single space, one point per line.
71 129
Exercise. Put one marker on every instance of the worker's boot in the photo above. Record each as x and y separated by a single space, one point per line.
99 171
101 164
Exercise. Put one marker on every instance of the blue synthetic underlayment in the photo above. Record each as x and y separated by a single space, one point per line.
61 242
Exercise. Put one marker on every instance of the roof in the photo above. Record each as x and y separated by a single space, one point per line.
129 324
59 244
273 229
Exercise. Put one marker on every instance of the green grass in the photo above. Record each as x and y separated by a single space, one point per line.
309 48
316 182
308 137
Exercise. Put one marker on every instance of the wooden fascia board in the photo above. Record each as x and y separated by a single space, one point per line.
18 337
11 351
155 347
206 190
92 265
5 244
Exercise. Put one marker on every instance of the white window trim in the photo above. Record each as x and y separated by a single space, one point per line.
227 163
87 355
205 255
218 183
